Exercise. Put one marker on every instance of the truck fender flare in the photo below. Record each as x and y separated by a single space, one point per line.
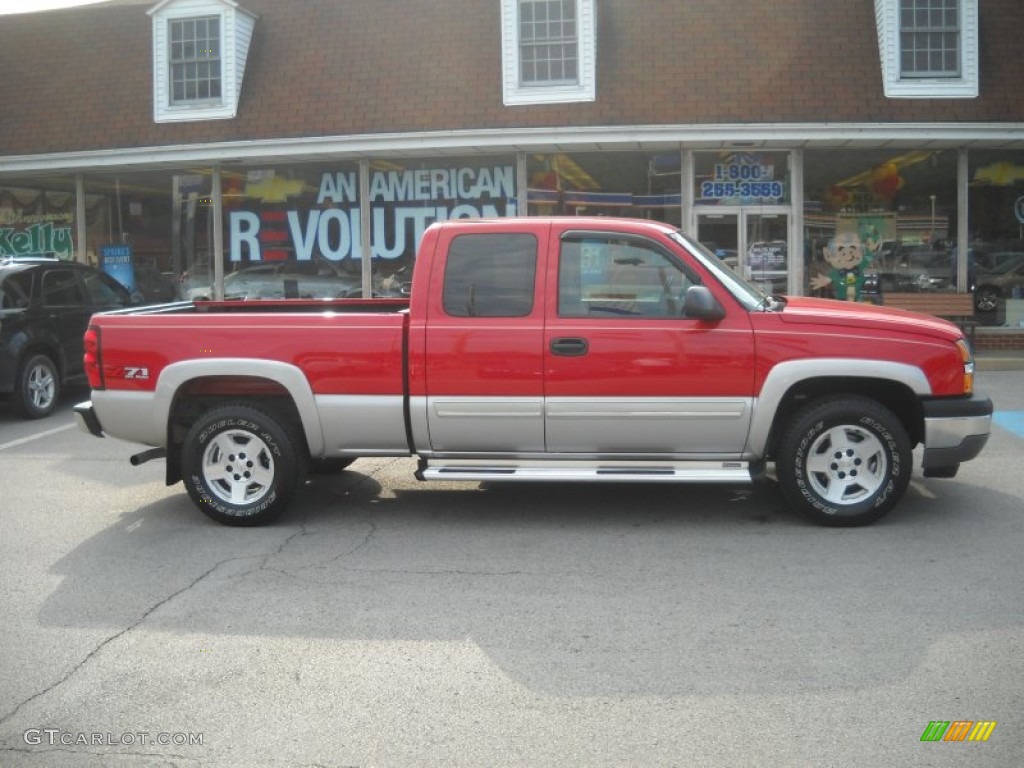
176 375
784 376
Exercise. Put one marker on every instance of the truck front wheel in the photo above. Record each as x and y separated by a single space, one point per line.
844 461
240 465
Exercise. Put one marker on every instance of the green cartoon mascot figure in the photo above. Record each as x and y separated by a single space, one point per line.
848 261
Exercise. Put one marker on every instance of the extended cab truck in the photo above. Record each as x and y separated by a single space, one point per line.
566 349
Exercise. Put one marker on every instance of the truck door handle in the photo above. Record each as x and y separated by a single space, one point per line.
569 347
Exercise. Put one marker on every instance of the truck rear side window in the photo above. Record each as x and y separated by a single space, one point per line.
490 275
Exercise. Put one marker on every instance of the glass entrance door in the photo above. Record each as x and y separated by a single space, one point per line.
766 251
720 232
756 244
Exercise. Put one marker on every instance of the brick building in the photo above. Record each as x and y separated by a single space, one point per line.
208 132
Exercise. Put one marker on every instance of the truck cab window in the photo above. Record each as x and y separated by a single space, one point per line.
490 275
602 277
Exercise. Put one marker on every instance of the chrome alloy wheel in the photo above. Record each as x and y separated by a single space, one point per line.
41 384
238 467
846 464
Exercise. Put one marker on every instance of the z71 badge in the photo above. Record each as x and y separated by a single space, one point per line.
130 372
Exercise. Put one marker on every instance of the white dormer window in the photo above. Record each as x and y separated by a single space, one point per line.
199 53
548 51
929 48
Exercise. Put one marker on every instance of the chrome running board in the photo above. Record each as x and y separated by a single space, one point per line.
585 471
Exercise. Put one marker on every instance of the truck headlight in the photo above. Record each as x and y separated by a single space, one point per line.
968 359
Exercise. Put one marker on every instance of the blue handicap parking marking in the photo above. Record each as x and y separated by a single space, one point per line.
1012 421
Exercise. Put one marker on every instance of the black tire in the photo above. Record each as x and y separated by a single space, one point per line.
38 387
328 466
844 461
240 465
986 299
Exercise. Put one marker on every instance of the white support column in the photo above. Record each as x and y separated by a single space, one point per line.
522 185
796 223
963 236
80 222
176 264
218 237
686 187
365 234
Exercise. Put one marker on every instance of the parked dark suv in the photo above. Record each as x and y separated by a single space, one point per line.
45 306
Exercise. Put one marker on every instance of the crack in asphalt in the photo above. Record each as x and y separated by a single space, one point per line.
166 758
292 573
303 531
117 635
452 572
261 565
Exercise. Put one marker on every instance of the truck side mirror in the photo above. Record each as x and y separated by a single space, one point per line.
700 304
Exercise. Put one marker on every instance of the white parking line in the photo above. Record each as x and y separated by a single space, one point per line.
30 438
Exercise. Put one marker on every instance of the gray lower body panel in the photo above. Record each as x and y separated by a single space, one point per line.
362 425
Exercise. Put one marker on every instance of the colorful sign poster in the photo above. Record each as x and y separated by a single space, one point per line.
116 261
744 179
26 235
285 221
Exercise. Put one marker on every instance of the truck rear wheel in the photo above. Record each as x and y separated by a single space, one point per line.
240 465
844 461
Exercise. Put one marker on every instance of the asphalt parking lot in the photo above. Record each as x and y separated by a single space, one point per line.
385 622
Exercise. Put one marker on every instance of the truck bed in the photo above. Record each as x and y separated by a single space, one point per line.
342 346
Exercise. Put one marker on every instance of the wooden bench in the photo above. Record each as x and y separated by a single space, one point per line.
957 307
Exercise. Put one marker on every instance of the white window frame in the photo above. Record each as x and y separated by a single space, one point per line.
585 89
896 86
219 59
236 27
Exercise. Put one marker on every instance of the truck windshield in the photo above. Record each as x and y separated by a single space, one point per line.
745 292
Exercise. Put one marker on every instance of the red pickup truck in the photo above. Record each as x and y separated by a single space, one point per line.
559 349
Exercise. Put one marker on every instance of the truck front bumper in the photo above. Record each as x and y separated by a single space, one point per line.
87 419
955 429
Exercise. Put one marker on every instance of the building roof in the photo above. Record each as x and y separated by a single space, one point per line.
80 80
